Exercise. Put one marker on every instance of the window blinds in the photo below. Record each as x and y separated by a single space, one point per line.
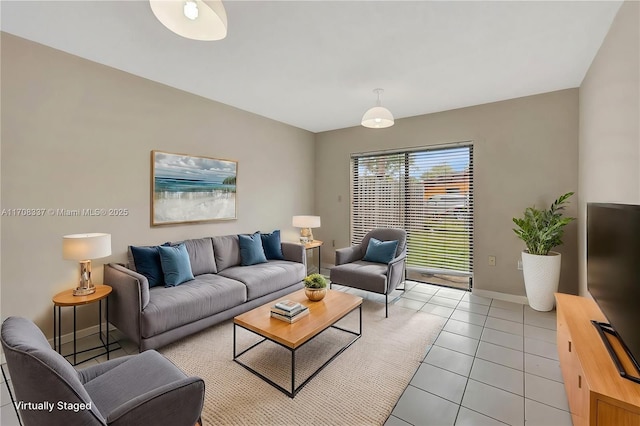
427 192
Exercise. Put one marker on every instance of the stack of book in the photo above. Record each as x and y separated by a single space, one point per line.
289 311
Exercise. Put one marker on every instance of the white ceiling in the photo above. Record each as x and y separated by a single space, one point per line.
314 64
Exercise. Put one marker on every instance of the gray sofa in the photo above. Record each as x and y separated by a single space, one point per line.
222 288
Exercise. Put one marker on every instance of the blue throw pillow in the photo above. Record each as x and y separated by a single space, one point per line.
381 251
147 263
251 251
175 265
272 245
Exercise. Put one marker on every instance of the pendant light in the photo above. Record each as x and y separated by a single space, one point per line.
204 20
377 117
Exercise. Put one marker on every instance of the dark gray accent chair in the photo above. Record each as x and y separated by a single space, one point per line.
144 389
352 271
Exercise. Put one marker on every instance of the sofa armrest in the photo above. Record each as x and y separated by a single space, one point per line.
395 272
294 252
348 255
129 297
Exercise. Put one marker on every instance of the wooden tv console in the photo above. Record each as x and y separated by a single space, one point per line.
597 394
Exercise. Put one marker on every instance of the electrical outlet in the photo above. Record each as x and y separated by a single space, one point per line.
519 265
492 261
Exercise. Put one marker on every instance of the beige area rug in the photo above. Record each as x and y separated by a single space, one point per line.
359 387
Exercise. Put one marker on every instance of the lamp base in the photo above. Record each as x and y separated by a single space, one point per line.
306 233
86 287
83 291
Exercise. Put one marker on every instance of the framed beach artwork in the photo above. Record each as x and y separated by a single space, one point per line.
187 188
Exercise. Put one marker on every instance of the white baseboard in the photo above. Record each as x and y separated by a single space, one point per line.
500 296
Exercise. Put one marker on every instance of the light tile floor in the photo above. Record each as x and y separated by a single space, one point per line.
493 363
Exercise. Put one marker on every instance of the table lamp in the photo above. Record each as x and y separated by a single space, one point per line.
305 223
83 248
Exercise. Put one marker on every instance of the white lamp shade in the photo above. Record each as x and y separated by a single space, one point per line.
306 221
86 246
377 117
211 23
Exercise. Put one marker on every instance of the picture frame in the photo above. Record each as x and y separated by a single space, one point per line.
192 189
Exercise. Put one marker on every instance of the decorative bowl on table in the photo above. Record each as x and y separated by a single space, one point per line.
315 287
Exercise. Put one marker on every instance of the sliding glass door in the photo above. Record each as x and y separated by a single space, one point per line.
429 193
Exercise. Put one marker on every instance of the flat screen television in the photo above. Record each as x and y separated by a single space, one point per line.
613 274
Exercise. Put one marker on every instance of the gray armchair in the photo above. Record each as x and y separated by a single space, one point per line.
352 271
144 389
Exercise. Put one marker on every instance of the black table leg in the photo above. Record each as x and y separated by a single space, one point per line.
75 352
55 342
59 331
107 326
293 372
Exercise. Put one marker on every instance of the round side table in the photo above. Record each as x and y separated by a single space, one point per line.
66 298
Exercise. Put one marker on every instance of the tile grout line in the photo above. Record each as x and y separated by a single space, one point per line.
470 370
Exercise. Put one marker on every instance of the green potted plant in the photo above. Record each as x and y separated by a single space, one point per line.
542 230
315 287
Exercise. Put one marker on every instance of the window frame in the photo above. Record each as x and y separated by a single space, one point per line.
406 204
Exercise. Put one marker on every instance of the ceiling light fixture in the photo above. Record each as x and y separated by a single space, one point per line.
377 117
204 20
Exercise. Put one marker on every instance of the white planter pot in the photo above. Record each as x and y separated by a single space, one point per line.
541 279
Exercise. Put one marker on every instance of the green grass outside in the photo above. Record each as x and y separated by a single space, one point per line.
426 248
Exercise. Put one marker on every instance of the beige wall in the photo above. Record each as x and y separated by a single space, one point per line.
76 134
609 123
525 152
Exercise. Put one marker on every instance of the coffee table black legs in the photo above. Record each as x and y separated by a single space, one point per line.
294 389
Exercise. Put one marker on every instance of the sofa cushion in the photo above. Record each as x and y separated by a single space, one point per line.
251 251
171 307
272 245
265 278
380 251
175 265
146 261
226 250
368 275
141 376
201 256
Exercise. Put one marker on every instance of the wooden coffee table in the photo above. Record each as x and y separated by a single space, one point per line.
322 315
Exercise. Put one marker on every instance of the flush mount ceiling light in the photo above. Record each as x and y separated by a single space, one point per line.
195 19
377 117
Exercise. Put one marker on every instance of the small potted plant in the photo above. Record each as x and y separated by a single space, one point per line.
315 287
542 230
